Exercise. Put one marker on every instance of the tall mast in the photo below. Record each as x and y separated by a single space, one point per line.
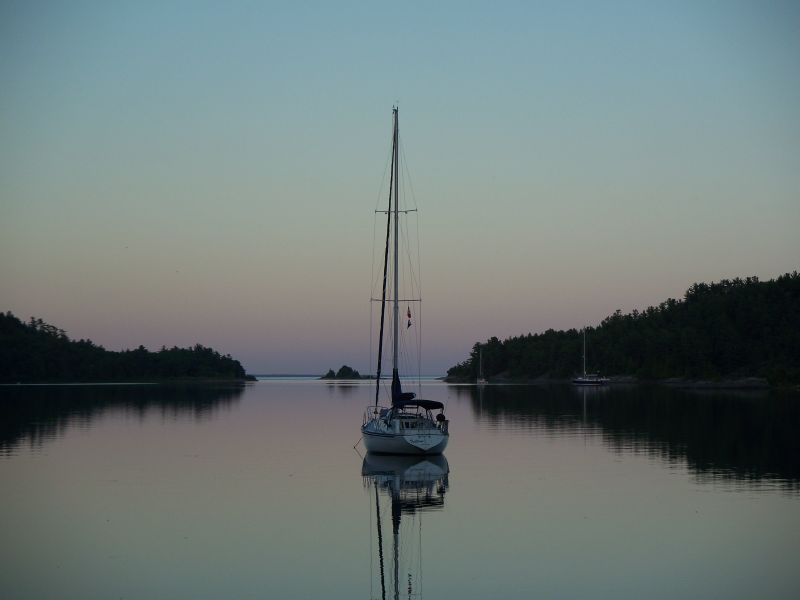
386 263
396 307
584 351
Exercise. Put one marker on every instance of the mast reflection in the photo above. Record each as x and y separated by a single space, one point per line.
410 485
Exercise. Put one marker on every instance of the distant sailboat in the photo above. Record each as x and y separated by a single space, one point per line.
481 379
588 378
408 425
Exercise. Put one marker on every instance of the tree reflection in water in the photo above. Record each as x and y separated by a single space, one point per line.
721 435
35 414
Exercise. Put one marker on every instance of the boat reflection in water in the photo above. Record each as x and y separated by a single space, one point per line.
410 485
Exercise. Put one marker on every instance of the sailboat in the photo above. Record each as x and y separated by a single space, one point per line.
408 426
588 378
481 379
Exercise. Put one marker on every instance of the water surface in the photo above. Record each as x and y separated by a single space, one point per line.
257 492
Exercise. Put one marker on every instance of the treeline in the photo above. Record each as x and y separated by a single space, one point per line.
734 328
39 352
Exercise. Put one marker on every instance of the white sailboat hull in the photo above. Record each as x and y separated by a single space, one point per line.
404 443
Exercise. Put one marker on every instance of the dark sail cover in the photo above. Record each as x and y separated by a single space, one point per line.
429 404
397 390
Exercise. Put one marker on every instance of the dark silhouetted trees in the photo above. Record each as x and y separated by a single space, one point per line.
734 328
344 372
39 352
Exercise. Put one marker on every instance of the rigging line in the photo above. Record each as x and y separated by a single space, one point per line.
383 180
416 279
419 308
373 279
373 285
369 357
419 257
408 262
386 164
416 282
404 355
410 348
407 173
413 277
409 276
419 350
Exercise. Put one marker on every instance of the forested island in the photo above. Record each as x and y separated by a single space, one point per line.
344 372
37 352
732 329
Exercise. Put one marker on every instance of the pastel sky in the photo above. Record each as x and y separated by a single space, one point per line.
175 173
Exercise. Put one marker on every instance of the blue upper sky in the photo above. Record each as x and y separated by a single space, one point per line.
181 172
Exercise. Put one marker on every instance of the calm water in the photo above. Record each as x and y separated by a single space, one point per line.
256 492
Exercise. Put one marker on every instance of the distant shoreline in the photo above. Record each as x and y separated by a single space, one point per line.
743 383
148 381
279 375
